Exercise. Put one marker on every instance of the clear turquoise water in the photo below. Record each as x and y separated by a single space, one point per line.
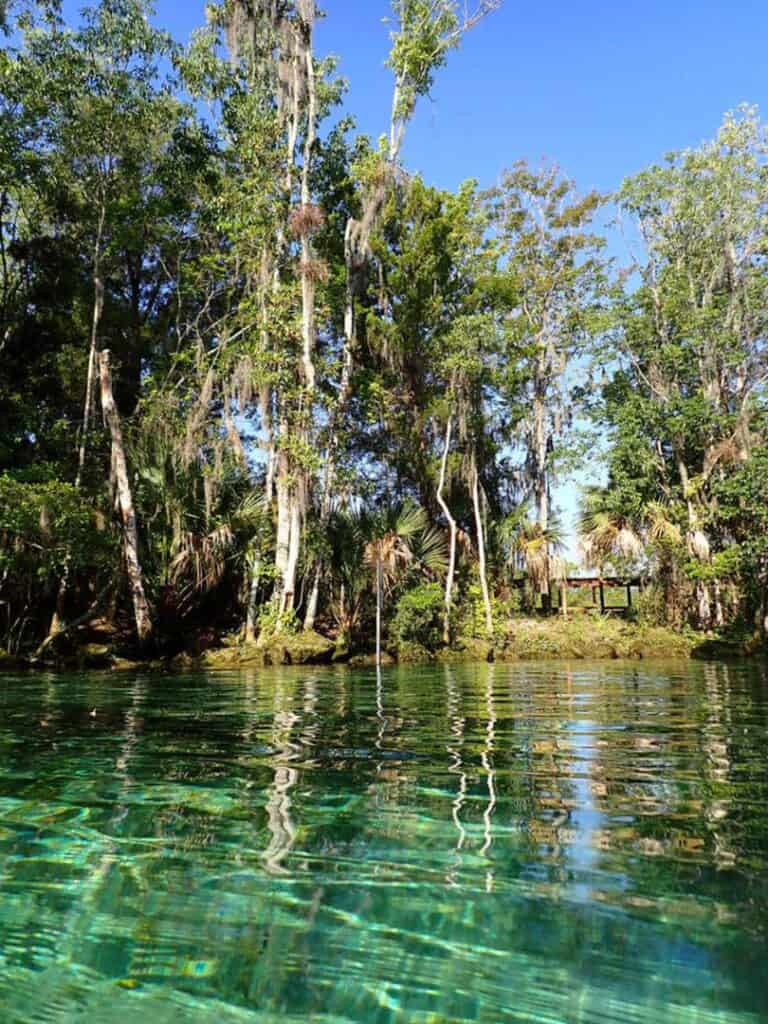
537 843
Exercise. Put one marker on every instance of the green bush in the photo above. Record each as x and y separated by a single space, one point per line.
273 622
418 618
648 607
469 623
47 529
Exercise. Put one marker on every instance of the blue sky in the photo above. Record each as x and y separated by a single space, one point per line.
602 87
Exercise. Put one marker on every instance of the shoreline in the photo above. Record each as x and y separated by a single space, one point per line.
523 640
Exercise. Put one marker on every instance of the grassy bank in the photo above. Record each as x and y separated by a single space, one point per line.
521 639
594 637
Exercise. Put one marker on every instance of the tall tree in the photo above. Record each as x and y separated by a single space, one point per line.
694 365
553 281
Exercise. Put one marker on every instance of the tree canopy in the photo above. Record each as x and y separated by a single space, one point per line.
257 377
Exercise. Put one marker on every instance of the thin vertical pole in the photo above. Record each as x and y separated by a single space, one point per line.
602 598
378 611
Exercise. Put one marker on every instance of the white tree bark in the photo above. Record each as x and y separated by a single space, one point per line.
282 550
125 504
294 551
314 598
453 532
379 597
98 311
481 550
540 488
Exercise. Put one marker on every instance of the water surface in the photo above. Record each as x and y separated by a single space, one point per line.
541 843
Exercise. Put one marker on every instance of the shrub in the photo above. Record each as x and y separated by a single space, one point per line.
648 608
47 529
418 618
273 622
470 620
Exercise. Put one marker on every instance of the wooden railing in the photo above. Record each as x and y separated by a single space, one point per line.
598 585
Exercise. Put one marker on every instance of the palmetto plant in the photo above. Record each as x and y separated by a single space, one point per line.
660 525
202 557
536 548
400 537
203 519
349 576
607 533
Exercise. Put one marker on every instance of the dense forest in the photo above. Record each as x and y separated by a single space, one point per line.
257 379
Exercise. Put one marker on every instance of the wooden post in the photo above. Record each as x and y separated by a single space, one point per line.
125 503
594 594
629 595
602 598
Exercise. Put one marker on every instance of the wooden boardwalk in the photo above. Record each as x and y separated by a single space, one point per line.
598 585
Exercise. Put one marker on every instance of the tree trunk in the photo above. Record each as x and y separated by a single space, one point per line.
253 592
294 550
284 468
125 504
379 587
703 605
453 529
79 621
308 271
98 311
540 482
307 254
57 621
718 602
283 542
314 598
326 501
481 550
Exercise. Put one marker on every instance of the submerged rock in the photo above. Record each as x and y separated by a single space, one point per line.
719 649
369 660
126 665
308 648
94 655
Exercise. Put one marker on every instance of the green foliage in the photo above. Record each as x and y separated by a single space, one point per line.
470 614
44 527
308 341
743 512
274 622
426 30
418 617
686 399
46 530
649 608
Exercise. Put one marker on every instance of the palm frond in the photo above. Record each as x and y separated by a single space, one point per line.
662 529
431 550
410 520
